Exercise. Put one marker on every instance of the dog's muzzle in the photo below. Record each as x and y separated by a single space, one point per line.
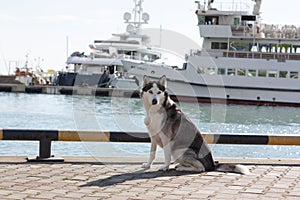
154 101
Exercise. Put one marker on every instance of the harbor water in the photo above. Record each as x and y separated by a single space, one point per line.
72 112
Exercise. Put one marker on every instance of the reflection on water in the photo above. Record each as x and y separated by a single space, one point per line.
38 111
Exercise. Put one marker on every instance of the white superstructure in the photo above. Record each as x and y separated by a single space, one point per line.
105 56
241 61
109 52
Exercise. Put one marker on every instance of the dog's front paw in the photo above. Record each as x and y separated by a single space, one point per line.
164 168
146 165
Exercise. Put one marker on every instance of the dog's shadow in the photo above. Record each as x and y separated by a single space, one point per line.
137 175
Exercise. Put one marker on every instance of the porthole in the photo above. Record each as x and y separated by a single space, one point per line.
258 98
228 96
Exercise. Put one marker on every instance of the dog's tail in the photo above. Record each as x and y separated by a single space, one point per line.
240 169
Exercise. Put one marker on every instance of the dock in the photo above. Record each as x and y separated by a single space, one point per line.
87 178
69 90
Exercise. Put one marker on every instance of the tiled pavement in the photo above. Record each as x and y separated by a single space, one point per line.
122 178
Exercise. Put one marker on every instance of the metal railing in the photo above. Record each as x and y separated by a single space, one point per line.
45 137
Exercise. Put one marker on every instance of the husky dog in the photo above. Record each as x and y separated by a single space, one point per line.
173 131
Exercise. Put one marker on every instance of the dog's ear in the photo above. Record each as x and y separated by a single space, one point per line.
163 81
146 80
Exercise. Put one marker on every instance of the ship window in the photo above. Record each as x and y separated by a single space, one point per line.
283 74
223 45
200 70
231 72
241 72
211 71
237 21
215 45
212 20
221 71
201 20
248 18
294 75
272 74
219 45
262 73
251 72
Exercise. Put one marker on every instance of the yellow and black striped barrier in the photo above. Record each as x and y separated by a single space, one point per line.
45 137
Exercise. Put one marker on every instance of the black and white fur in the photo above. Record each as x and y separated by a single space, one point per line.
173 131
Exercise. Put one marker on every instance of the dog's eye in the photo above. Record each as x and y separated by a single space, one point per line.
150 91
159 92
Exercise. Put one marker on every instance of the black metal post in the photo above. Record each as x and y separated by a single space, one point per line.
45 148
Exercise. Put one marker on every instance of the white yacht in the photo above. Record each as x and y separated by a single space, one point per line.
242 60
103 66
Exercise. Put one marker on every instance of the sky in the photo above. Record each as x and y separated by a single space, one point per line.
40 28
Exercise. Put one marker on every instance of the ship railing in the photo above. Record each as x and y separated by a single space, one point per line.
262 55
141 58
210 53
195 52
45 138
233 6
204 52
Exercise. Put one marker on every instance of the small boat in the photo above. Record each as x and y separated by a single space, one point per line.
242 60
28 76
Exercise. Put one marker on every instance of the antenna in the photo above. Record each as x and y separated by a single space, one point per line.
26 62
138 16
67 46
160 36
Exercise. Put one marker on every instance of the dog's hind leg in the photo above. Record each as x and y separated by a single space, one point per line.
187 162
152 155
185 168
196 167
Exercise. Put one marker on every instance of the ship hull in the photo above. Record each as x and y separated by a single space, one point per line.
188 85
190 92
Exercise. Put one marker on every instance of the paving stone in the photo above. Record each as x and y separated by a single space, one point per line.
17 196
4 192
116 180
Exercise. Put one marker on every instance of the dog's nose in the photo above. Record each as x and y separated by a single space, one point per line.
154 101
